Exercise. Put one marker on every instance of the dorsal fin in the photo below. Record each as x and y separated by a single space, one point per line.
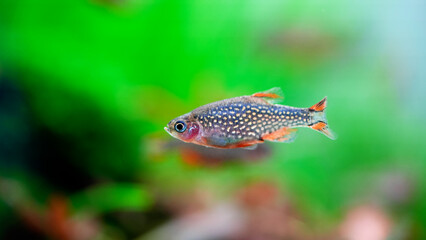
272 95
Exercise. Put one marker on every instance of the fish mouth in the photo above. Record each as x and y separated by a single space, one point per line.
168 131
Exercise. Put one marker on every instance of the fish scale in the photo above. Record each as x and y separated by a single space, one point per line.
251 121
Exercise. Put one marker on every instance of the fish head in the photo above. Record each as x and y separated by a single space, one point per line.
184 128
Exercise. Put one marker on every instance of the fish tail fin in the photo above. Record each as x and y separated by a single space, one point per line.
319 120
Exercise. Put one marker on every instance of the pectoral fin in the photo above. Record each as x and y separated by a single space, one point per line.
216 141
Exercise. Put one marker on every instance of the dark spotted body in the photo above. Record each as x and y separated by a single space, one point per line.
242 120
246 121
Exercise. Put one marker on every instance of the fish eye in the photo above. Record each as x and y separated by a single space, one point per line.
180 126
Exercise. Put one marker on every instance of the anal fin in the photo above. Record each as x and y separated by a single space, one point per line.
284 134
251 147
221 142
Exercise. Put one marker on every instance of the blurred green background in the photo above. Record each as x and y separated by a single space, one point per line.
86 87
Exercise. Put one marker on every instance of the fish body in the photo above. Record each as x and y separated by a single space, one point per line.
246 121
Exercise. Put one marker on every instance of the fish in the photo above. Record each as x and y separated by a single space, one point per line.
244 122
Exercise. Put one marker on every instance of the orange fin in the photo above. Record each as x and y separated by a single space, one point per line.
319 119
268 95
284 134
324 129
220 142
272 95
250 145
320 106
